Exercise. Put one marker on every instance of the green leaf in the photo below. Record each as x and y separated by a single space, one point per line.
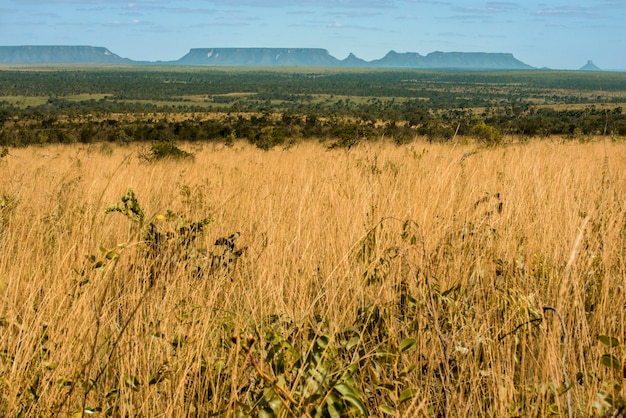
132 382
265 413
553 409
387 410
349 372
407 394
332 411
353 342
50 365
356 403
158 377
273 401
408 370
608 342
64 383
407 344
344 389
452 289
610 361
389 387
319 347
386 356
315 379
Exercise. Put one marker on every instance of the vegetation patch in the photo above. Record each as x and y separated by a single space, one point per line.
278 107
161 150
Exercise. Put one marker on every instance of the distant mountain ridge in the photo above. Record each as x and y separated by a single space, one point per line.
465 60
261 57
316 57
40 54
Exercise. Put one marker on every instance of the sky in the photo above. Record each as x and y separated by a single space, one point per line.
551 33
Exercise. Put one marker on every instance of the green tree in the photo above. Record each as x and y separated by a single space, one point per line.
486 133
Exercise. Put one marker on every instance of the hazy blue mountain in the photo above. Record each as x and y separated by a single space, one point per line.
314 57
262 57
475 60
399 60
451 60
37 54
354 61
590 66
259 57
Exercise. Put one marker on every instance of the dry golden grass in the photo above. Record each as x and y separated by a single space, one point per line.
506 232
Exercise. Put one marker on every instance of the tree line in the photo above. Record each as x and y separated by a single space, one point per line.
400 123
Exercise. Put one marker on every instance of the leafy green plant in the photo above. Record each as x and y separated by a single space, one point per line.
170 240
269 137
161 150
329 375
307 383
611 401
487 134
165 242
129 207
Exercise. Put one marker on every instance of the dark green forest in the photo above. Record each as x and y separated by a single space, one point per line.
270 107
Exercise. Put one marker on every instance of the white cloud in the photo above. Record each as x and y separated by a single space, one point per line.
572 11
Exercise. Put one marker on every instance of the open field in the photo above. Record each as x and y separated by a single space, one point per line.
414 280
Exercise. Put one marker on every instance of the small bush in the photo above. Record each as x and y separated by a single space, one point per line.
165 150
486 133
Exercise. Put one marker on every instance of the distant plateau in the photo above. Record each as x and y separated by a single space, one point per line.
269 57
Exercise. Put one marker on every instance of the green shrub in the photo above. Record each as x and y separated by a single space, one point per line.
166 150
486 133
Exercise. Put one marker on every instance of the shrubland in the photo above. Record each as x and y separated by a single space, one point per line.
269 107
366 279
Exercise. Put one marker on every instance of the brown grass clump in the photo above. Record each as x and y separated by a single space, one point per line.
416 280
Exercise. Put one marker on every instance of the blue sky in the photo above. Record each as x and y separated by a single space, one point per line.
553 33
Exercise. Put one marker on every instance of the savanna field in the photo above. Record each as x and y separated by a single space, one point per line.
416 280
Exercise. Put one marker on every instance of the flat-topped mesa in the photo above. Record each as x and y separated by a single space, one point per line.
259 57
478 60
50 54
451 60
